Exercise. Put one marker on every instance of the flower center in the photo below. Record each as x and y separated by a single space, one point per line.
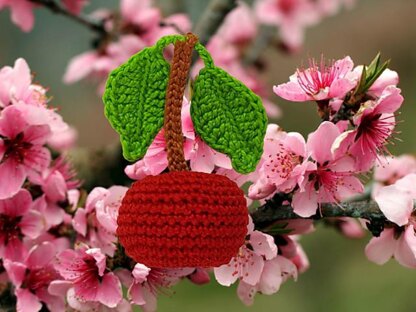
281 164
374 130
9 228
318 76
286 6
40 278
16 148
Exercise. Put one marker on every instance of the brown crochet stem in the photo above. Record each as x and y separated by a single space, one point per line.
181 63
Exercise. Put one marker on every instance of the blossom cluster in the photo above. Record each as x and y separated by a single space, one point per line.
58 243
141 24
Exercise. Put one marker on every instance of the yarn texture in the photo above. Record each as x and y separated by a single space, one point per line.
228 116
181 64
134 98
183 219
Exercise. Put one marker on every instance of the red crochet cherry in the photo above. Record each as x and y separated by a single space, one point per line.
183 219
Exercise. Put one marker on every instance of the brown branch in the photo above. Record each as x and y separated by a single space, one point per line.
273 211
57 8
212 19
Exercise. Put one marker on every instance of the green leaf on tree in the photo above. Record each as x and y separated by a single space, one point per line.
371 73
135 99
229 117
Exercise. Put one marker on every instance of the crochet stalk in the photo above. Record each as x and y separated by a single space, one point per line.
181 63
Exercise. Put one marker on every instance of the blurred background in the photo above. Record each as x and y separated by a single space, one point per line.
340 277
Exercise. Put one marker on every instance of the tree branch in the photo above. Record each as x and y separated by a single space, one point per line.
273 211
263 39
212 19
57 8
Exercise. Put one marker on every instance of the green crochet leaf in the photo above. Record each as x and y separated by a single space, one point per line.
135 99
229 117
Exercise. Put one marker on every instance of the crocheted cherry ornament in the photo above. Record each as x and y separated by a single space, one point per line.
182 218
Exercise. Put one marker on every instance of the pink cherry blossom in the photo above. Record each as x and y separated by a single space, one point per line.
17 221
55 182
389 169
32 277
374 123
329 179
290 16
199 276
275 272
249 263
21 13
396 201
21 150
282 166
319 81
86 269
74 6
98 64
240 26
140 13
145 284
97 222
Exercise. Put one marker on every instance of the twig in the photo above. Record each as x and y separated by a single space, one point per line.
261 42
273 211
212 19
57 8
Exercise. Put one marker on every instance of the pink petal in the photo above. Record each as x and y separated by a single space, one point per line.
109 292
68 264
140 273
12 122
15 250
305 203
202 158
251 273
405 252
396 205
380 249
16 272
320 142
37 134
26 301
53 303
22 14
199 277
18 205
340 87
287 267
263 244
261 189
41 255
389 101
55 187
79 222
100 259
271 278
387 78
291 91
98 193
246 293
80 66
74 6
38 158
32 224
136 294
225 274
59 288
